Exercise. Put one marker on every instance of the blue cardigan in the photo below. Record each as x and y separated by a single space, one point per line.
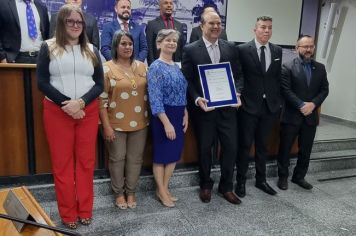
138 33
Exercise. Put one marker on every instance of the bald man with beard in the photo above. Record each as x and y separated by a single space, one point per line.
164 21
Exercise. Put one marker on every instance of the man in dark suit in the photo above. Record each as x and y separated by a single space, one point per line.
17 43
123 22
260 95
164 21
304 88
209 122
197 32
90 24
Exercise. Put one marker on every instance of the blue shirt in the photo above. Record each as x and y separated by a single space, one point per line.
166 86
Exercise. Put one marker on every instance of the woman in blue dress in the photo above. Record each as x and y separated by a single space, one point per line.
167 89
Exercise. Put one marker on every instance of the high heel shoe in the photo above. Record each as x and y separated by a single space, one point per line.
85 221
173 198
131 204
70 225
165 203
121 205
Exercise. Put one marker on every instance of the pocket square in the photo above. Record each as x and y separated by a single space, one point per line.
277 59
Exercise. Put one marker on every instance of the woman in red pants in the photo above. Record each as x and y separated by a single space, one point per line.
70 75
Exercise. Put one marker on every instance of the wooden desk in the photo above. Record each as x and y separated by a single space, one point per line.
23 144
21 109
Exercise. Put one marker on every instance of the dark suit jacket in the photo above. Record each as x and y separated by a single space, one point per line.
255 82
197 33
137 32
10 36
195 54
152 29
91 28
295 91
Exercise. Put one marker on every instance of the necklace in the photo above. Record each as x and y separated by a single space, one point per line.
167 60
131 77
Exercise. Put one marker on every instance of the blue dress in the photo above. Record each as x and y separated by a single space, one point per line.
167 89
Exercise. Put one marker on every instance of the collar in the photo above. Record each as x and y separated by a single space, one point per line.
303 62
207 43
165 18
258 45
121 22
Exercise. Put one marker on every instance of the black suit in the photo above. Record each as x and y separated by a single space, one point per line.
221 121
152 29
197 33
90 24
295 91
260 96
10 36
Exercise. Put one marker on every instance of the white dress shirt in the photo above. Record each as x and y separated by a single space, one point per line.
267 53
27 44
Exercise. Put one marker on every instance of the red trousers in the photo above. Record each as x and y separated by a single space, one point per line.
72 145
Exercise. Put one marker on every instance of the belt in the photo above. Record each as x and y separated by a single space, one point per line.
29 54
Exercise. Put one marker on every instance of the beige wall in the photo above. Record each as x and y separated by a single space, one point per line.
241 18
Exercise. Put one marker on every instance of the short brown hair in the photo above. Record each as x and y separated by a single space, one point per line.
116 1
264 18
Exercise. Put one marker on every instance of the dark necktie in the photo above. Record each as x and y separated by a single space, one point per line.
169 23
263 58
307 70
31 24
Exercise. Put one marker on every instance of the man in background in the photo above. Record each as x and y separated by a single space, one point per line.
123 22
197 31
24 26
164 21
304 88
91 24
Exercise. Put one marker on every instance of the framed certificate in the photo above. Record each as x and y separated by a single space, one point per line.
218 84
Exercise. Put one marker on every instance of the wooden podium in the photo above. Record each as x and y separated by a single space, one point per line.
23 143
28 201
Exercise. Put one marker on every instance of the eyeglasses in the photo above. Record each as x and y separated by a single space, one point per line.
307 46
72 23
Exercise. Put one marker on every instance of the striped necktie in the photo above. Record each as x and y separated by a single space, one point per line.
214 54
31 24
126 26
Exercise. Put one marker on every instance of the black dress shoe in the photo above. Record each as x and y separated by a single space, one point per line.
240 189
302 183
265 188
282 183
205 195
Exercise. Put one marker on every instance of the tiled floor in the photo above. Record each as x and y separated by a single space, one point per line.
328 209
330 128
